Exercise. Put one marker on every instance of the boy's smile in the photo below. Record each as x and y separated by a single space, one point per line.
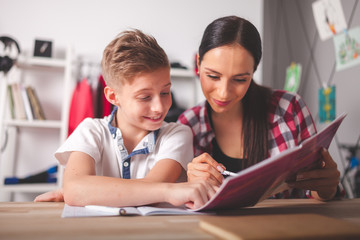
155 119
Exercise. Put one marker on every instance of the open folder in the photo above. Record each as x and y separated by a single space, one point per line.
249 187
269 176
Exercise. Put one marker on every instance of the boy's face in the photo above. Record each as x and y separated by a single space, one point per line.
144 103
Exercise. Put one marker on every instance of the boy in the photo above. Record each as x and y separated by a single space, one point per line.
131 157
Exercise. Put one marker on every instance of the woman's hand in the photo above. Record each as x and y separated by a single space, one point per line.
193 195
204 167
322 182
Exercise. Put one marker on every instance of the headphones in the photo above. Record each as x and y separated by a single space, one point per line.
9 53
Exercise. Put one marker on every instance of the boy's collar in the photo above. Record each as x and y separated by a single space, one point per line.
112 129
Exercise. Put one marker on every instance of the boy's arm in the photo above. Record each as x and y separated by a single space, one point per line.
52 196
165 170
82 187
157 174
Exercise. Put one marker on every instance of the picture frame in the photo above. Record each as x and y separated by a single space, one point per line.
43 48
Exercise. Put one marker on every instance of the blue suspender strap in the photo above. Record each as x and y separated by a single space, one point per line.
111 128
127 160
126 168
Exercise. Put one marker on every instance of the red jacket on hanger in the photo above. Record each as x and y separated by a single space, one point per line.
103 106
81 104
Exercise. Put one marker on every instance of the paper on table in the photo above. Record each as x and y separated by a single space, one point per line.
97 211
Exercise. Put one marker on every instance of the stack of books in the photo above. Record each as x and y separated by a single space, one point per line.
24 103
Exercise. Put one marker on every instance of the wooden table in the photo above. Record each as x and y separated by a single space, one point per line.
28 220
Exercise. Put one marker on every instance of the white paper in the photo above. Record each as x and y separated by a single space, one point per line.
73 211
329 18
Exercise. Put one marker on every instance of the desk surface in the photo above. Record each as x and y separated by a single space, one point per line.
28 220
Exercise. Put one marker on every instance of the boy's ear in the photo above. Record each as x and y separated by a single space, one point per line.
110 95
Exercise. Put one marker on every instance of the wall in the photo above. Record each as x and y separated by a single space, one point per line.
89 25
289 34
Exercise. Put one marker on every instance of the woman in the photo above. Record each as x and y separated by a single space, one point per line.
241 122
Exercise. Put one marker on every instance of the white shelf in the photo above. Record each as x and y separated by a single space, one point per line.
41 62
184 86
181 73
34 123
31 66
29 187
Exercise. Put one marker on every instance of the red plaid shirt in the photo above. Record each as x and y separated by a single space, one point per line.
290 124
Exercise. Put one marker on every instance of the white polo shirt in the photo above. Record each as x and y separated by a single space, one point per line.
104 143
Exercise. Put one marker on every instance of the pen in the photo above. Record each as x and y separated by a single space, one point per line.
228 173
113 210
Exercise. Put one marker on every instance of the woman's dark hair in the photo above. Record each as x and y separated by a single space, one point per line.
227 31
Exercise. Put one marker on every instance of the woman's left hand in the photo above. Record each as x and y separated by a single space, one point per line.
322 182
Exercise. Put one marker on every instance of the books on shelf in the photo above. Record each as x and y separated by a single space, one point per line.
24 103
18 106
37 109
11 102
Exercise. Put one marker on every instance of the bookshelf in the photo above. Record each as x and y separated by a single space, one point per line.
185 87
62 68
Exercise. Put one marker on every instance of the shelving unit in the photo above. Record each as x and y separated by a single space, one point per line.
60 126
184 87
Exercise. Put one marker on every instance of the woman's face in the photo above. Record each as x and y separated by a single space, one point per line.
225 76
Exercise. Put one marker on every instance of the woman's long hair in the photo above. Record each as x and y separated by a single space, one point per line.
226 31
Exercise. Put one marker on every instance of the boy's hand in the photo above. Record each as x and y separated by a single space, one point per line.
204 167
322 182
52 196
193 195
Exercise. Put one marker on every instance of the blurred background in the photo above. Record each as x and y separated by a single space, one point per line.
79 31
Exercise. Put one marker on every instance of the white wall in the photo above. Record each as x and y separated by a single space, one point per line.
90 25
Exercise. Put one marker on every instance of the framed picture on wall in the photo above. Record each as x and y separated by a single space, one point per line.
43 48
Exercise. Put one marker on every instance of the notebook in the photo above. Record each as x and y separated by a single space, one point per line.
269 176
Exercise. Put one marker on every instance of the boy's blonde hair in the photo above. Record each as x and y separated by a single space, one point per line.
132 52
